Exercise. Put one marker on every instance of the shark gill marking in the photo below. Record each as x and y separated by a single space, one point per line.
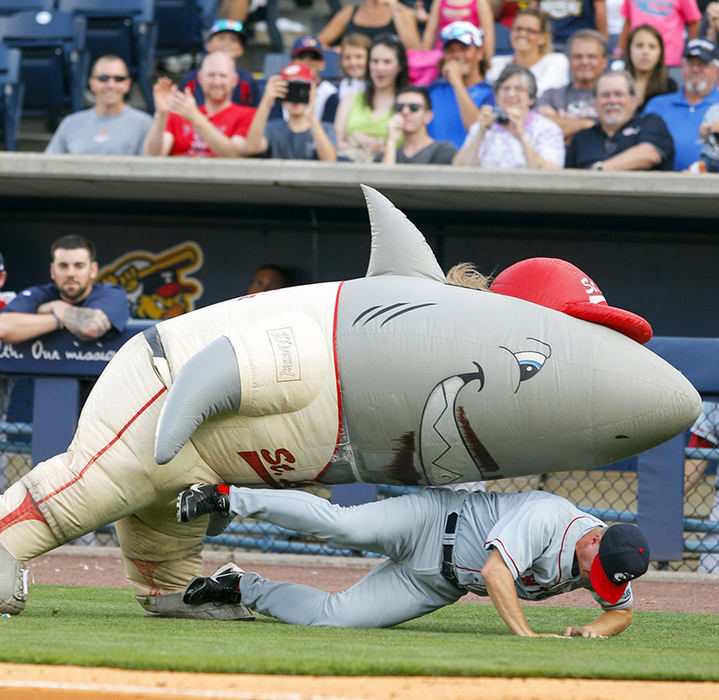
364 313
386 309
479 452
407 310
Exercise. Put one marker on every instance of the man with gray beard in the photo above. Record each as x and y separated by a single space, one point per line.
683 111
621 140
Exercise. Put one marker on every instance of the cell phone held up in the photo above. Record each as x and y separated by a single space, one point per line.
298 92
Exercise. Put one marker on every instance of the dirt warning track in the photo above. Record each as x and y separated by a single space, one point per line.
24 682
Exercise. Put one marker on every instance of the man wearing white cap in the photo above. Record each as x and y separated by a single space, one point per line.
461 91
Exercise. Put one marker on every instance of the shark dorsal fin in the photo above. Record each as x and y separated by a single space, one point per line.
398 248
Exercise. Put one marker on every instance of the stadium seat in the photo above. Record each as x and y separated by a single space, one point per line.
11 96
54 61
273 63
125 28
181 25
10 7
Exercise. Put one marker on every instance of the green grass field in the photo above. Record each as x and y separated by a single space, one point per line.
105 627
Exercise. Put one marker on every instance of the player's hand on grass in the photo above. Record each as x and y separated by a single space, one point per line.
548 634
586 632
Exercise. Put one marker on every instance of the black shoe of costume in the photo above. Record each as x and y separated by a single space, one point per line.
201 499
221 587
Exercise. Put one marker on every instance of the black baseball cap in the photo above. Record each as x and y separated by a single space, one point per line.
702 48
623 555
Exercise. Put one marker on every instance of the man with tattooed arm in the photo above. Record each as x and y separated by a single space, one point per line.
71 301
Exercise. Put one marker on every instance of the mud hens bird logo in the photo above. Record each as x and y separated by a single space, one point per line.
157 284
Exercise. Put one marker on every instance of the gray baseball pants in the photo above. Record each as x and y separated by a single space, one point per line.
407 529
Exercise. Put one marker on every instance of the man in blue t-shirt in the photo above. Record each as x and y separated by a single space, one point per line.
458 95
683 111
71 301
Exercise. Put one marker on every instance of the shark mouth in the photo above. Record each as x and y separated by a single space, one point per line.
450 451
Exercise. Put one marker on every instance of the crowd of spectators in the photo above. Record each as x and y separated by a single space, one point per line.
575 91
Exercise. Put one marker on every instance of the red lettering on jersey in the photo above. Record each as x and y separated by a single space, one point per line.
265 459
529 580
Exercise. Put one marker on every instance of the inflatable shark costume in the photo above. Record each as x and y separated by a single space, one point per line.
397 377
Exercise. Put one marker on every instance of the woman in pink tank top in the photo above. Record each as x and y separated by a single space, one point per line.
444 12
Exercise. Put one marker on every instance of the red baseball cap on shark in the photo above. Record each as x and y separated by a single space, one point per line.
623 556
557 284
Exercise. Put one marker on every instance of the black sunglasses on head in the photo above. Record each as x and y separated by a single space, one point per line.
398 107
116 78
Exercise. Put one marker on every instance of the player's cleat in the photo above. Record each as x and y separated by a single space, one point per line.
201 499
171 605
219 522
13 583
221 587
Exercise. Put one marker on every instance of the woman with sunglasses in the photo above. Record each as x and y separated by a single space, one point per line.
531 40
645 63
373 18
361 122
513 136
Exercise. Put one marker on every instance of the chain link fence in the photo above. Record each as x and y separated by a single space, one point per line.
610 493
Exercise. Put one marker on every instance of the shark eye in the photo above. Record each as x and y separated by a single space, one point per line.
530 362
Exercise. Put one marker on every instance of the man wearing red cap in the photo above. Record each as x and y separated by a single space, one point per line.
302 136
440 544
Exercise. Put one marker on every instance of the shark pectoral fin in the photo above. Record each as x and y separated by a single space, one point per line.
398 248
209 383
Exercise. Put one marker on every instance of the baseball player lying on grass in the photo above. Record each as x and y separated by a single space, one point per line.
440 544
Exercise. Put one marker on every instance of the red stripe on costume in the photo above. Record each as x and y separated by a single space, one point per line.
27 510
337 381
99 454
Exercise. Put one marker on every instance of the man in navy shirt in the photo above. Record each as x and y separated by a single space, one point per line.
71 301
621 140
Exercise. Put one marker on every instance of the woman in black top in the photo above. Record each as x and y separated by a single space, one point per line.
645 63
372 18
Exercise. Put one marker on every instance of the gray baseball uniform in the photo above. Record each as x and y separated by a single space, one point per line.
707 427
535 533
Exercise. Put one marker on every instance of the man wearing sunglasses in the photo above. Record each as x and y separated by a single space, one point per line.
408 126
111 126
